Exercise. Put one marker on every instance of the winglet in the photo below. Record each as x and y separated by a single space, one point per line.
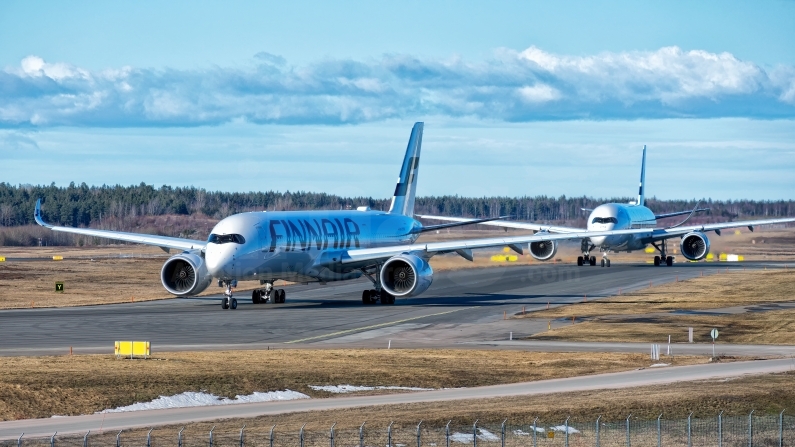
641 193
37 215
403 199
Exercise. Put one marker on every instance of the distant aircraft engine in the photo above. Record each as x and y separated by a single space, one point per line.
543 250
185 274
694 246
406 275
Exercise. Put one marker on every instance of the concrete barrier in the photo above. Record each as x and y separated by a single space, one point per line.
132 349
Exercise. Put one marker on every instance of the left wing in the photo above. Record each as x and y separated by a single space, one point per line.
464 247
505 224
163 242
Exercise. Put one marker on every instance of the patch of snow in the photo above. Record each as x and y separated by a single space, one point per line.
563 429
466 438
486 435
341 389
194 399
659 365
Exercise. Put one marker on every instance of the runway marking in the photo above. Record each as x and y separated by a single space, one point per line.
388 323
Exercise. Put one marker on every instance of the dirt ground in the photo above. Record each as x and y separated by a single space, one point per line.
646 315
68 385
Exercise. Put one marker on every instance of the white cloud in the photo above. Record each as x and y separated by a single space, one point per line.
513 86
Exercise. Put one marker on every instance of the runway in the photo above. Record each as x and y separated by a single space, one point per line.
150 418
462 308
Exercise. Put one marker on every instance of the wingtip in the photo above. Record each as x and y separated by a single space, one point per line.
37 215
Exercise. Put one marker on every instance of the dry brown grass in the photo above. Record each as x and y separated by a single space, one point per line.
644 316
67 385
768 394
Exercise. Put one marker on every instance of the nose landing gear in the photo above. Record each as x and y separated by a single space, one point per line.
228 302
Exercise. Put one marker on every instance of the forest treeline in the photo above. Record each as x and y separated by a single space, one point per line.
122 207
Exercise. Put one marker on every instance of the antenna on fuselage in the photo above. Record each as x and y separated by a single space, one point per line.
641 194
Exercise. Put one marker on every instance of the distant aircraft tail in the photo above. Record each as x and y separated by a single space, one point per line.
641 193
403 200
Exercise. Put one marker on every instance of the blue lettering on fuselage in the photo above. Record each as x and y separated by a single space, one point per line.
301 234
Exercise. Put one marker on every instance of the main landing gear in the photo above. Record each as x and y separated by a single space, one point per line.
586 258
663 258
228 302
378 294
262 296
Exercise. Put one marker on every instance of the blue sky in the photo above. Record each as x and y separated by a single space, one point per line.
518 97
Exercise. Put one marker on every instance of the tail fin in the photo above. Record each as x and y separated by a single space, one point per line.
641 192
403 200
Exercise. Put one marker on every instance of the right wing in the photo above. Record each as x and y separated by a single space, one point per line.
504 224
164 242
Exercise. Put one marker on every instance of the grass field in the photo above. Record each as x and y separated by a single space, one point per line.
67 385
645 315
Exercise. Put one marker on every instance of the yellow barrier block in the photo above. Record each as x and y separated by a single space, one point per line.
504 258
2 259
740 258
650 250
132 349
723 256
57 258
710 257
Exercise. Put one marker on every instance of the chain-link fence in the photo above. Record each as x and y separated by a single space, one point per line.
721 431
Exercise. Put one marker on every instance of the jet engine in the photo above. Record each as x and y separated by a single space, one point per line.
694 246
185 274
406 275
543 250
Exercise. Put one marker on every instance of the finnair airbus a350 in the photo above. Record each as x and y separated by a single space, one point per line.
316 246
607 225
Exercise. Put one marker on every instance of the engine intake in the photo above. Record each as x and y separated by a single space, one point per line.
543 250
185 275
694 246
406 275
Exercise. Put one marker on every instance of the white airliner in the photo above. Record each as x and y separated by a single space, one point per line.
318 246
606 227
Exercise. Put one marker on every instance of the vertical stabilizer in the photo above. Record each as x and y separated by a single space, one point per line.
641 192
403 200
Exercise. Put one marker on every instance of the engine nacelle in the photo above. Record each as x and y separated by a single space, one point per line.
406 275
694 246
185 275
543 250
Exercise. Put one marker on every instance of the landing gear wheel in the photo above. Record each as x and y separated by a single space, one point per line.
656 261
579 261
603 262
593 260
669 261
608 263
282 296
373 296
387 298
233 304
225 303
256 298
366 297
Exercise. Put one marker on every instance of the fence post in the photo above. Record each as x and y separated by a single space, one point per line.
388 435
720 429
502 432
118 438
361 435
242 433
781 428
535 431
19 440
689 440
52 439
475 433
85 439
148 438
271 436
597 430
751 429
566 424
447 433
301 436
629 442
179 437
211 435
332 434
659 431
419 435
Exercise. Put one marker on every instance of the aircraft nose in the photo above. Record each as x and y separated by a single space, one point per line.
217 260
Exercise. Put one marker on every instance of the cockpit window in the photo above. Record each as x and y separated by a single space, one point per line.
604 220
226 238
